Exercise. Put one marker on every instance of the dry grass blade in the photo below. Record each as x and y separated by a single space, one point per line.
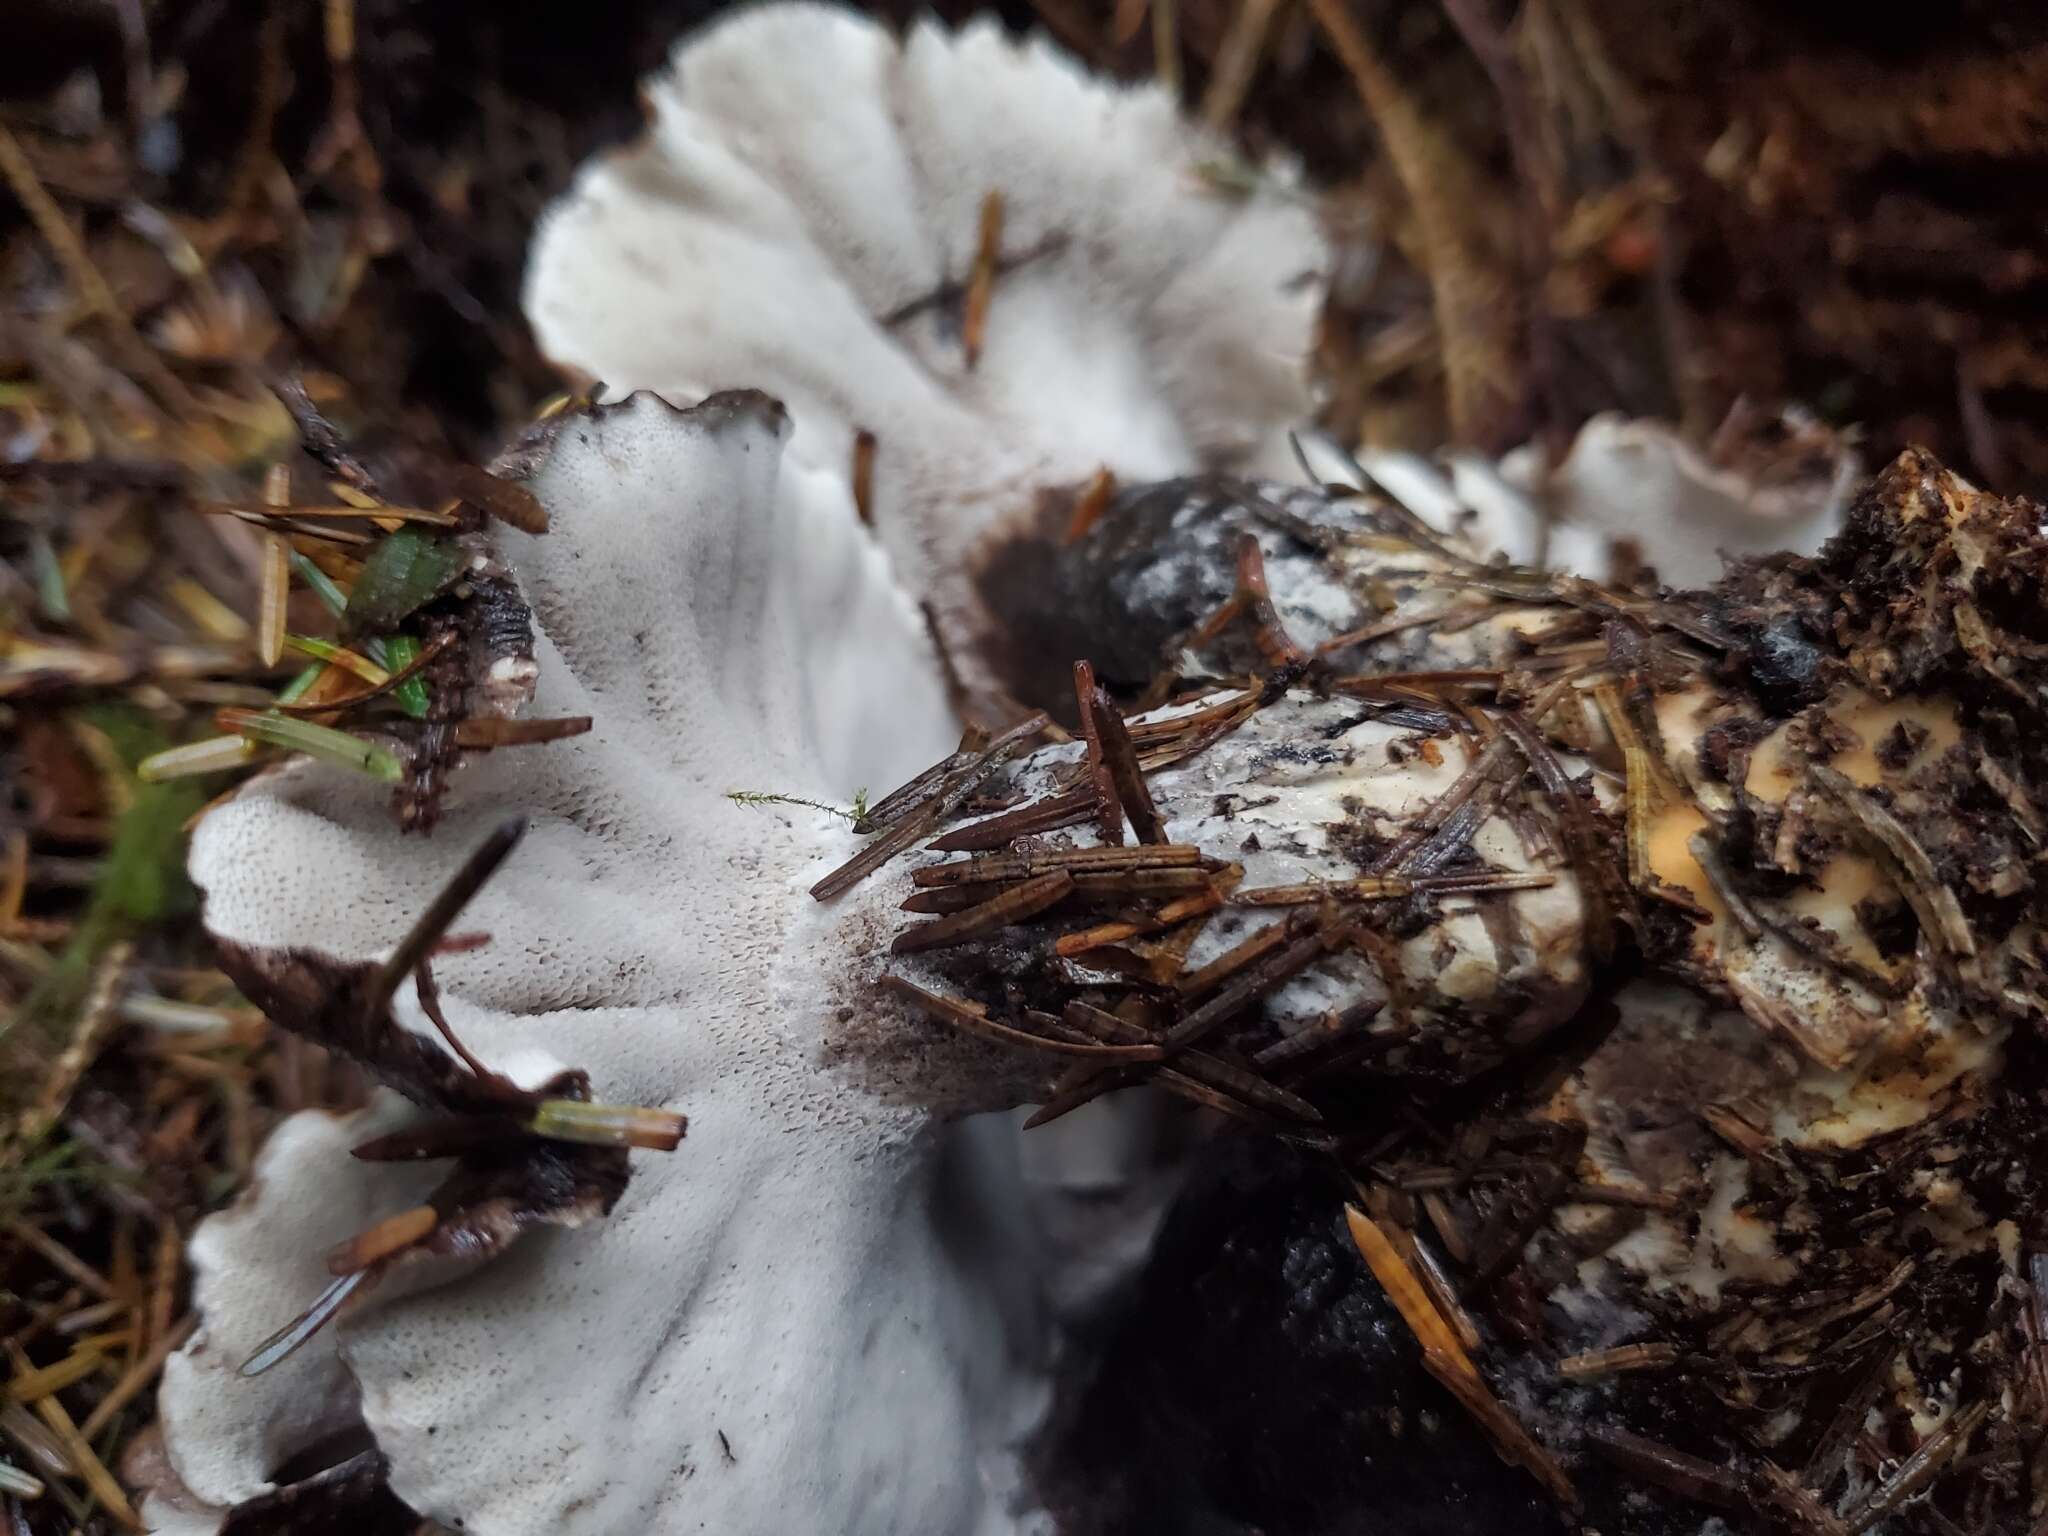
93 1472
96 1018
60 1258
139 1377
306 518
1249 986
1847 1421
1172 913
273 600
78 265
506 500
1336 1029
382 1241
1472 305
394 681
1392 888
26 1386
486 732
1247 951
1407 1292
1255 597
1237 61
1197 1075
1216 1074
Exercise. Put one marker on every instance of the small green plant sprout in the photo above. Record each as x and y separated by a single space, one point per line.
858 815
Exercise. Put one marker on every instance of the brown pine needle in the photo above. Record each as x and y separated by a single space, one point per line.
1125 775
1406 1291
864 476
1625 1357
376 1243
1093 501
13 876
981 282
1021 901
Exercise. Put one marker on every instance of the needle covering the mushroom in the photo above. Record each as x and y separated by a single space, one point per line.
1490 803
507 1175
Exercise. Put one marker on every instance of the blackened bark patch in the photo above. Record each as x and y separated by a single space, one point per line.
1054 603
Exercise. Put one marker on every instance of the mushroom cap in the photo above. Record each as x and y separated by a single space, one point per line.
807 203
1641 481
729 626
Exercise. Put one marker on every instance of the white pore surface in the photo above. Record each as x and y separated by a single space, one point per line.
782 1285
806 177
1640 481
1623 479
226 1432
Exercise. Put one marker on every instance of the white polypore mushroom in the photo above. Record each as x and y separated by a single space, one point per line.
781 1287
668 941
1642 483
804 216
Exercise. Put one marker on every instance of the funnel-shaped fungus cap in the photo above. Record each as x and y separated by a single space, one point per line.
1010 274
708 1353
1641 482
